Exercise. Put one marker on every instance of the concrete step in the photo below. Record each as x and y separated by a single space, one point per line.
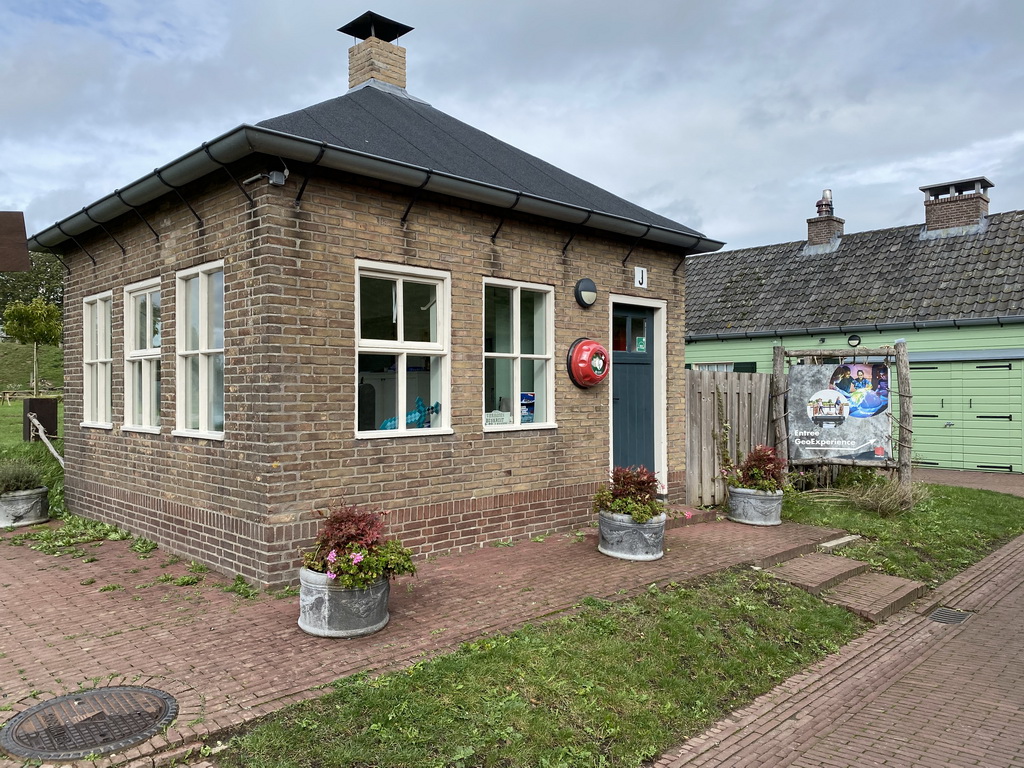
816 572
875 596
828 547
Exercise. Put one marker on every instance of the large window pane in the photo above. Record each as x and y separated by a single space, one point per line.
497 319
154 328
377 396
532 323
377 309
192 400
498 390
192 314
142 330
216 365
533 395
137 382
215 290
419 311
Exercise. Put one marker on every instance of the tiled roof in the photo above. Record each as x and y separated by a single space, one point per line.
388 123
886 276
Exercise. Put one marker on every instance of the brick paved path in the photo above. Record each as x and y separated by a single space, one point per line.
228 660
909 693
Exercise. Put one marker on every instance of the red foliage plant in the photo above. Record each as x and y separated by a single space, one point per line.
762 469
350 524
636 483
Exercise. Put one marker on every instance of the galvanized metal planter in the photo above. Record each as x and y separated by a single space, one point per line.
328 610
619 536
20 508
755 507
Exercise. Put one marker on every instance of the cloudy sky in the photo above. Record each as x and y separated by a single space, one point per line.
729 116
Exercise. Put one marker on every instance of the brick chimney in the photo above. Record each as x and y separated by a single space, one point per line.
376 57
826 226
956 203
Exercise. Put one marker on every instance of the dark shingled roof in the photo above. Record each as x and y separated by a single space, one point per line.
887 276
388 123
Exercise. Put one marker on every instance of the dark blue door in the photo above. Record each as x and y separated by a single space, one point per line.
633 387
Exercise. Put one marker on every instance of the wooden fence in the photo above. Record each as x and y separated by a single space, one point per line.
741 399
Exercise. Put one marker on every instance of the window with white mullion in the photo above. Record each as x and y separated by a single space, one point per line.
402 349
97 362
518 373
142 356
200 352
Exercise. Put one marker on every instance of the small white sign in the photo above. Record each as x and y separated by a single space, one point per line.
639 277
497 418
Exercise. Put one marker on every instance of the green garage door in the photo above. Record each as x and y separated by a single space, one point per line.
968 415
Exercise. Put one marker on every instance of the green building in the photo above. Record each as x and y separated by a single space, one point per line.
952 288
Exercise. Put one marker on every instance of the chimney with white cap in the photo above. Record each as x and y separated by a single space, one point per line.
376 57
956 203
826 226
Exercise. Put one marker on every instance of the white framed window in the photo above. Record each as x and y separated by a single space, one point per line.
402 350
96 361
199 318
519 370
142 327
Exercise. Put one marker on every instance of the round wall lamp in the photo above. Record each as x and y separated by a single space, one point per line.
585 292
853 341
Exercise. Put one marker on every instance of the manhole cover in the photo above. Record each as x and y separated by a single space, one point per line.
93 722
945 615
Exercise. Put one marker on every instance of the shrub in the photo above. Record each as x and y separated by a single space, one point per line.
633 491
761 470
19 475
351 549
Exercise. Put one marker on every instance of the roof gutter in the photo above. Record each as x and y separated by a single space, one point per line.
247 140
863 328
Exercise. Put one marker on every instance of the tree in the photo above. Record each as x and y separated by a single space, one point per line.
37 322
45 281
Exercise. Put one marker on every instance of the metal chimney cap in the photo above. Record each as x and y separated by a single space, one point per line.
372 24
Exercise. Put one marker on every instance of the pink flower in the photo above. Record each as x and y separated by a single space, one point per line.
688 514
332 556
332 575
356 558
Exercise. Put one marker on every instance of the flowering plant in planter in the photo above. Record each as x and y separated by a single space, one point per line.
760 470
350 548
632 491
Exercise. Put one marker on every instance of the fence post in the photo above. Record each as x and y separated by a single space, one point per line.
778 398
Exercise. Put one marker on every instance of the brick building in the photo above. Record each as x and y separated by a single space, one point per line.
364 300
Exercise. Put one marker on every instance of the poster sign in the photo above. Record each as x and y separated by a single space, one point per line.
840 412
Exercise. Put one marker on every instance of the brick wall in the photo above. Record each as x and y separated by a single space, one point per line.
374 58
955 211
245 505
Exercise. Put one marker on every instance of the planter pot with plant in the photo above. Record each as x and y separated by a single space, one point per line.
630 519
24 499
345 580
756 487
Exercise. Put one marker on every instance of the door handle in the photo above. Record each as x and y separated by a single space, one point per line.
948 424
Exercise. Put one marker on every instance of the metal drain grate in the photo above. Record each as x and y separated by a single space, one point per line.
945 615
94 722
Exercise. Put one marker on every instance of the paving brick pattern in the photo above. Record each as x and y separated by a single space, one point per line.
817 572
229 660
875 596
910 693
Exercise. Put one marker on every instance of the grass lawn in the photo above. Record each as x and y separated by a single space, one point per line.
618 684
938 538
614 685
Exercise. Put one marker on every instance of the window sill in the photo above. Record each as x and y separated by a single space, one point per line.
197 435
96 425
386 433
137 428
520 427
